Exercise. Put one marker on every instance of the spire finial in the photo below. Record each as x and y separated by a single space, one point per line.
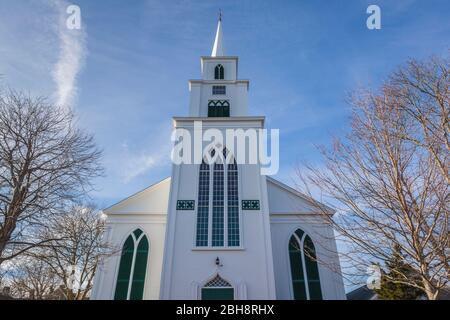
218 46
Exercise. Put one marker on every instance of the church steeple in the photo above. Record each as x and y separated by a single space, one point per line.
217 50
219 93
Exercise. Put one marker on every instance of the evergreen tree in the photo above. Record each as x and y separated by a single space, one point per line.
393 282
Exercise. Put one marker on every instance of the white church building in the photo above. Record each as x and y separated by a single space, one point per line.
219 230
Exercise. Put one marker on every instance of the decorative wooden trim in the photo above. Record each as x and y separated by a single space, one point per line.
251 205
186 205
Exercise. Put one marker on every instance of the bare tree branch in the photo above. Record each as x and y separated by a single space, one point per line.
389 178
44 162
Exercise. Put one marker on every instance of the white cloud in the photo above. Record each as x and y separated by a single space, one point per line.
72 55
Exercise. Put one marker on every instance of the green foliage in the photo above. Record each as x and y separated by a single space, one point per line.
397 282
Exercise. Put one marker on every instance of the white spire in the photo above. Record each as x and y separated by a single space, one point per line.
217 50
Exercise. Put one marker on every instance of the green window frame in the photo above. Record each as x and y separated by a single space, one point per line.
132 267
304 269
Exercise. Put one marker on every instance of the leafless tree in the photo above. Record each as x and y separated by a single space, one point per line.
32 279
422 92
75 257
2 277
388 178
44 161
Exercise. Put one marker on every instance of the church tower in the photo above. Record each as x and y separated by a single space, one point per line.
218 241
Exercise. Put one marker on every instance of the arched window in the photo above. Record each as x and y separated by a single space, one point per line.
219 72
304 269
218 203
218 289
133 267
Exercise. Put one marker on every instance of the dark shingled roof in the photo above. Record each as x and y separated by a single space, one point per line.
361 293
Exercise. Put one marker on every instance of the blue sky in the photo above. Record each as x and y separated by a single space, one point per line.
126 71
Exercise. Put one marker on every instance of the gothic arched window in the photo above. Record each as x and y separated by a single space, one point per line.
304 269
133 267
219 72
218 203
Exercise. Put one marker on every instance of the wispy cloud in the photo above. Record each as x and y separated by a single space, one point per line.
136 164
72 55
136 160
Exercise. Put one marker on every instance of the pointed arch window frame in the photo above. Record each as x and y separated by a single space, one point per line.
225 246
137 236
219 72
300 237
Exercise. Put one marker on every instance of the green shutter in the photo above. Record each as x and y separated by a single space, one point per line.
123 277
211 111
299 233
225 111
216 73
219 108
140 268
298 278
312 270
137 233
219 72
